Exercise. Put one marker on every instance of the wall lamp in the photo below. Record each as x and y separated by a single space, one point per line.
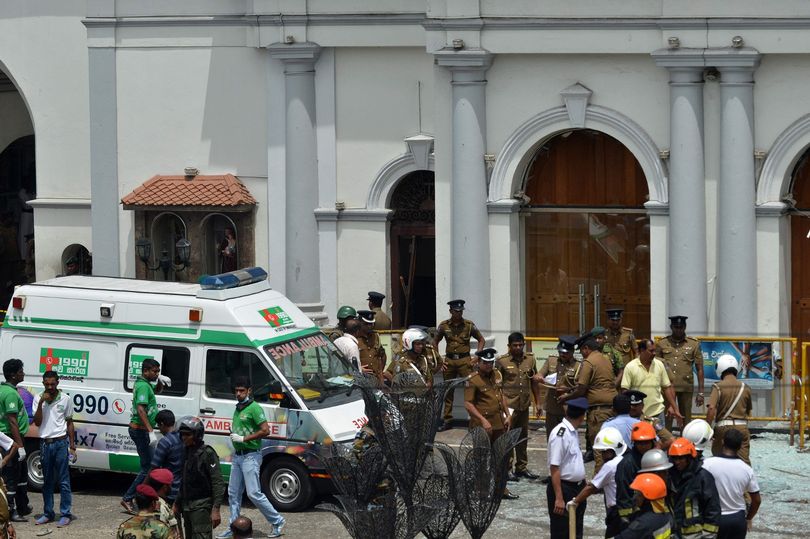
143 248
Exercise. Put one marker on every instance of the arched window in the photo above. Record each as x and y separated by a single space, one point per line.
220 245
76 260
167 229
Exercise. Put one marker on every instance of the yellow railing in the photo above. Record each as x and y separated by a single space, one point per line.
800 379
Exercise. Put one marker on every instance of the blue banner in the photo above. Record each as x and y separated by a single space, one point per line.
755 360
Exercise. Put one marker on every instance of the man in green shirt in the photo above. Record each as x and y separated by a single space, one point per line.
14 424
142 423
248 428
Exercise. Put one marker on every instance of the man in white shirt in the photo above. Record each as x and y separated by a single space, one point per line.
566 469
734 478
54 416
347 343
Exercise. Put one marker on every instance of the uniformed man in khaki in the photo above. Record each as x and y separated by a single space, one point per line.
372 354
382 322
563 370
621 338
519 373
730 406
458 363
486 403
597 383
682 356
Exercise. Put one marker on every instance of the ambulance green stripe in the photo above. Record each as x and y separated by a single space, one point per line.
132 464
206 336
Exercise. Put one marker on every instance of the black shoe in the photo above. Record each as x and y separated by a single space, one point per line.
527 474
588 456
509 496
28 510
16 517
512 478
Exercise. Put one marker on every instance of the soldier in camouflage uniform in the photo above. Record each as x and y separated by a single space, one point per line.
344 314
610 352
458 363
6 527
146 524
621 338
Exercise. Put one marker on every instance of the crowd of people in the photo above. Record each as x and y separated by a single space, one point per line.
630 394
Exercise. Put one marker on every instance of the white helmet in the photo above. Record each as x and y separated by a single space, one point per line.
724 362
655 460
610 438
410 336
699 433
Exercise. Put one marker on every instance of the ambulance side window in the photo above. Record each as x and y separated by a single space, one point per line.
174 363
222 367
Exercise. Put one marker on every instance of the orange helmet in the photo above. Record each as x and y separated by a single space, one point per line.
650 485
682 447
642 431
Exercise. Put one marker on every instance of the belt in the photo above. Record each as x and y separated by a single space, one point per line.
457 356
54 440
243 452
573 483
727 422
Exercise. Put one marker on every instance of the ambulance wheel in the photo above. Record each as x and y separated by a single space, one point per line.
286 483
33 467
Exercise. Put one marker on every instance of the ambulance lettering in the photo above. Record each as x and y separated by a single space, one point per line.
69 364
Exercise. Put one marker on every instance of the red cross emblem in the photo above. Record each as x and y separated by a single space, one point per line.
271 318
48 360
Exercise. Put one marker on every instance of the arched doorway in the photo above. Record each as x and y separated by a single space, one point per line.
413 251
586 235
220 239
800 251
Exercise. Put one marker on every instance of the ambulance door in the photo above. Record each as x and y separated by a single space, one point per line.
217 402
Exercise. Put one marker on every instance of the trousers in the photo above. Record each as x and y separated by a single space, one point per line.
15 475
456 368
55 468
245 477
684 400
559 523
733 526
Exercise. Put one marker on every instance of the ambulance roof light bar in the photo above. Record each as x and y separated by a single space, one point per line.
233 279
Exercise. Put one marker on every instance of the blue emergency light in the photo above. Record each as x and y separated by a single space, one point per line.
233 279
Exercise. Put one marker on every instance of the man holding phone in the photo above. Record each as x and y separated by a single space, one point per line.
53 414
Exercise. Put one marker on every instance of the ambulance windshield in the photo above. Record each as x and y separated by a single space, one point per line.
315 369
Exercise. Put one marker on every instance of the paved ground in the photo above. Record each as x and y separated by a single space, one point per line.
784 481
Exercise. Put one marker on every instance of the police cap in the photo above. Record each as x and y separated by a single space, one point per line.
567 343
579 402
376 297
636 396
456 304
677 320
487 354
615 314
366 316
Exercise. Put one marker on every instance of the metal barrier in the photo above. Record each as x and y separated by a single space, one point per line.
799 385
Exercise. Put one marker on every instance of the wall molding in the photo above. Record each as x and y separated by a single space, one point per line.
787 149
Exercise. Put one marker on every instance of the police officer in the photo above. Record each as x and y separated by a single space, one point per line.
519 373
595 381
457 332
484 400
381 320
567 469
730 405
619 337
372 353
344 314
682 355
563 370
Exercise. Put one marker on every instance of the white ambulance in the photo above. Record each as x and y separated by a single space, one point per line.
96 331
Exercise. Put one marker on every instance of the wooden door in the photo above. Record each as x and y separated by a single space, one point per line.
800 253
585 226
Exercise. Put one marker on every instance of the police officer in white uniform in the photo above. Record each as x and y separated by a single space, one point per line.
566 468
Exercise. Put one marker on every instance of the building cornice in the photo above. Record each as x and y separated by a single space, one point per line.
365 215
503 206
60 203
772 209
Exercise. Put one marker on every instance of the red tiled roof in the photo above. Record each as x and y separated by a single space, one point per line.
218 190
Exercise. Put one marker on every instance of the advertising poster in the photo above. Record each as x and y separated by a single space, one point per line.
755 360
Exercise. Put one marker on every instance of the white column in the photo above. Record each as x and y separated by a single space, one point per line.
736 217
302 269
470 279
687 194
